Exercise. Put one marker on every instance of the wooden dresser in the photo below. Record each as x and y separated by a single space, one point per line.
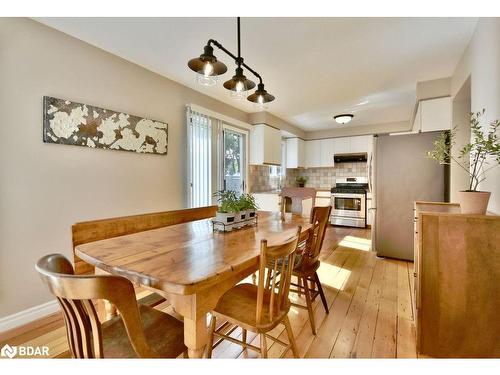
457 279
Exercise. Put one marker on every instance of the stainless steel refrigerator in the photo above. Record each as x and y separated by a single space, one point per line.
401 173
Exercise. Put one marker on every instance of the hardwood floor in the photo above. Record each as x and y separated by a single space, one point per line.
370 310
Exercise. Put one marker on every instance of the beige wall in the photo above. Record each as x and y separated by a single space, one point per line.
481 62
44 188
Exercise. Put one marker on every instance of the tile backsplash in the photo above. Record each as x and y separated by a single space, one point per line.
324 178
261 179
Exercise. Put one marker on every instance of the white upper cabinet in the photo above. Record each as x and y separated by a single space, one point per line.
313 154
342 145
326 151
295 153
434 114
265 145
361 144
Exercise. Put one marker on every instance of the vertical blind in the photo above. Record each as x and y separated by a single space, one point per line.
199 128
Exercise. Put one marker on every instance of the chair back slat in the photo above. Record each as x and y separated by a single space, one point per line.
279 261
311 251
75 294
321 215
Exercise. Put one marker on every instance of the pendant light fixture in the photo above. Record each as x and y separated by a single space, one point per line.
343 119
208 68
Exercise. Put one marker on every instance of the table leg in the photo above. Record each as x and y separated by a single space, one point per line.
196 335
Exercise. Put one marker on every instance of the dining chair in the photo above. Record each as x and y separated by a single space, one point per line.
139 331
259 308
306 268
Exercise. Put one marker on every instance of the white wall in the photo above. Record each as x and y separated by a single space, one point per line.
45 188
481 62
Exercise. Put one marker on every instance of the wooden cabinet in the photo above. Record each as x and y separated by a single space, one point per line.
433 115
265 145
295 153
457 273
313 154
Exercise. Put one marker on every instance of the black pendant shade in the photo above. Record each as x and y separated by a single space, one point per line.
260 95
202 64
239 82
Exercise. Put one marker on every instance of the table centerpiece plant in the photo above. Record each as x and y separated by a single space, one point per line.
248 205
477 157
228 209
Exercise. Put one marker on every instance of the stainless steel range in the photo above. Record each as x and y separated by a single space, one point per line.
349 202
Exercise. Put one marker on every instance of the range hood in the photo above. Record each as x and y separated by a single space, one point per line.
350 158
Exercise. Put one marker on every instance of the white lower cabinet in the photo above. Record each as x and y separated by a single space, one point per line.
323 198
267 201
369 212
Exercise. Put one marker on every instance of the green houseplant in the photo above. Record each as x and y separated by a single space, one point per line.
227 212
477 157
248 205
301 181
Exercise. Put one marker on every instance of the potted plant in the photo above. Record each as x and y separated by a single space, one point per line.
228 209
477 157
301 181
248 206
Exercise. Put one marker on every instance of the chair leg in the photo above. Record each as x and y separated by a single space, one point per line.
291 338
321 293
263 346
309 306
254 278
244 335
210 341
299 283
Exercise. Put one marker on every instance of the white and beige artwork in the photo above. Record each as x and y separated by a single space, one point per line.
72 123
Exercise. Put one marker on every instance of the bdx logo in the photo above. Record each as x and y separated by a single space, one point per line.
24 351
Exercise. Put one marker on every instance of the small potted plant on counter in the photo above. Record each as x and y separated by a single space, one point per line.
301 181
228 211
477 157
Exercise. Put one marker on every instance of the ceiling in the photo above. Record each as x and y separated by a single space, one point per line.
316 67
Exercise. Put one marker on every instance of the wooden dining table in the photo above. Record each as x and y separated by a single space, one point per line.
190 264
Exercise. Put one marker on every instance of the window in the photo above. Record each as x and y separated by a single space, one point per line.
217 158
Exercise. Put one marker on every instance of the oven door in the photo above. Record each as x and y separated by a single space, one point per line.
349 205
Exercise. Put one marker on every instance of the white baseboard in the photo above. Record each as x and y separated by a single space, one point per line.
27 316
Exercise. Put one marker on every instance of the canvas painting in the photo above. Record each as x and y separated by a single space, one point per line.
72 123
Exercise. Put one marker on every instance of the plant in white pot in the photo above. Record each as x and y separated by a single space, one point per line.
248 206
477 157
227 213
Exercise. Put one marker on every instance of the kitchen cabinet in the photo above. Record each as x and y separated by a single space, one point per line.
433 115
295 153
369 212
456 281
327 150
267 201
265 145
359 144
313 154
342 145
323 198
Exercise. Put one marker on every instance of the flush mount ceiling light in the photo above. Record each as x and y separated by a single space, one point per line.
343 119
208 68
